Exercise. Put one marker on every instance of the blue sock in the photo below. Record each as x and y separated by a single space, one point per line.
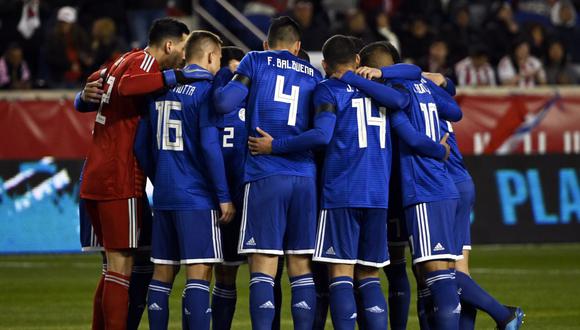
197 304
303 301
399 295
424 308
446 306
262 307
140 278
342 303
467 317
320 273
474 295
184 324
158 304
223 306
373 302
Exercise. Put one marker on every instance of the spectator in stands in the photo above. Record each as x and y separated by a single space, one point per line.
559 71
383 25
500 31
538 46
437 60
14 73
416 41
314 30
141 14
520 68
475 70
356 26
459 34
565 21
107 45
67 50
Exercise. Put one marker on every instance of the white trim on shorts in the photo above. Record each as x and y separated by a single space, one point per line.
318 247
242 237
201 261
435 257
335 260
373 264
216 237
307 251
467 247
458 257
164 261
423 225
262 251
131 202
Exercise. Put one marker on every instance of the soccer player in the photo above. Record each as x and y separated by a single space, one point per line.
429 195
279 215
472 296
233 141
189 183
355 180
113 184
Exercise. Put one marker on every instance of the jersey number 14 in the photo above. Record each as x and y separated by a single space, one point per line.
364 118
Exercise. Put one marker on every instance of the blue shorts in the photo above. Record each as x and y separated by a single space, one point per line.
396 227
279 216
186 237
88 237
463 215
231 236
352 236
431 227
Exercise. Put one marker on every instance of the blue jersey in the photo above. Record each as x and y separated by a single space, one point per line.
233 138
357 163
454 163
423 179
181 174
279 102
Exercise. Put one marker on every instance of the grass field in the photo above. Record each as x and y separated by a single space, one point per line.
55 291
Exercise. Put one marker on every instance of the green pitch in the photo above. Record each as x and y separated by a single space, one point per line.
55 291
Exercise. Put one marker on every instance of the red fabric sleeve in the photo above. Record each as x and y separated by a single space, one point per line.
141 78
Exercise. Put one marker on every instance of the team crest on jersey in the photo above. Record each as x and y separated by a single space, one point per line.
242 114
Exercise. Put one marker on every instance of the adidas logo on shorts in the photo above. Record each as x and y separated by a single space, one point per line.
302 305
330 251
155 307
438 247
268 304
251 242
375 309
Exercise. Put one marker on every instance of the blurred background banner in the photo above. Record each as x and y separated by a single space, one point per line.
522 148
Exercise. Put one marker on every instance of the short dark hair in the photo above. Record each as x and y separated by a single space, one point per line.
358 43
371 54
283 30
303 55
165 28
339 49
197 42
231 53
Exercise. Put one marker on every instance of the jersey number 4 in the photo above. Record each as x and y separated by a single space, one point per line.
291 99
364 117
164 124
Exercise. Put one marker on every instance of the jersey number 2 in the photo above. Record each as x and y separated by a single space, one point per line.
291 98
365 117
164 124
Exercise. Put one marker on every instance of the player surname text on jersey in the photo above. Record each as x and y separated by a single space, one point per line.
293 65
184 89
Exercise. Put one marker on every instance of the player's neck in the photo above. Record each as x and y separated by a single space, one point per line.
341 70
155 52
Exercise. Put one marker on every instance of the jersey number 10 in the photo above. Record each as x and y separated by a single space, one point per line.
431 118
364 118
164 124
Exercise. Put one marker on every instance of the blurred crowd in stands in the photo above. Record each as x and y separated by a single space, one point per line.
526 43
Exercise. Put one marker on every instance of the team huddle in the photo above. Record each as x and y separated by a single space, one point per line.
259 158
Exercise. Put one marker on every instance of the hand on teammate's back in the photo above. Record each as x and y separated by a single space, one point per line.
227 212
93 91
260 145
369 73
447 148
437 78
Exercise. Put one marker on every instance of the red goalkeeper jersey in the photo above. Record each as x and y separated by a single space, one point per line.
111 170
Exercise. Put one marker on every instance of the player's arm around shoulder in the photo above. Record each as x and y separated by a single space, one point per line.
229 97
